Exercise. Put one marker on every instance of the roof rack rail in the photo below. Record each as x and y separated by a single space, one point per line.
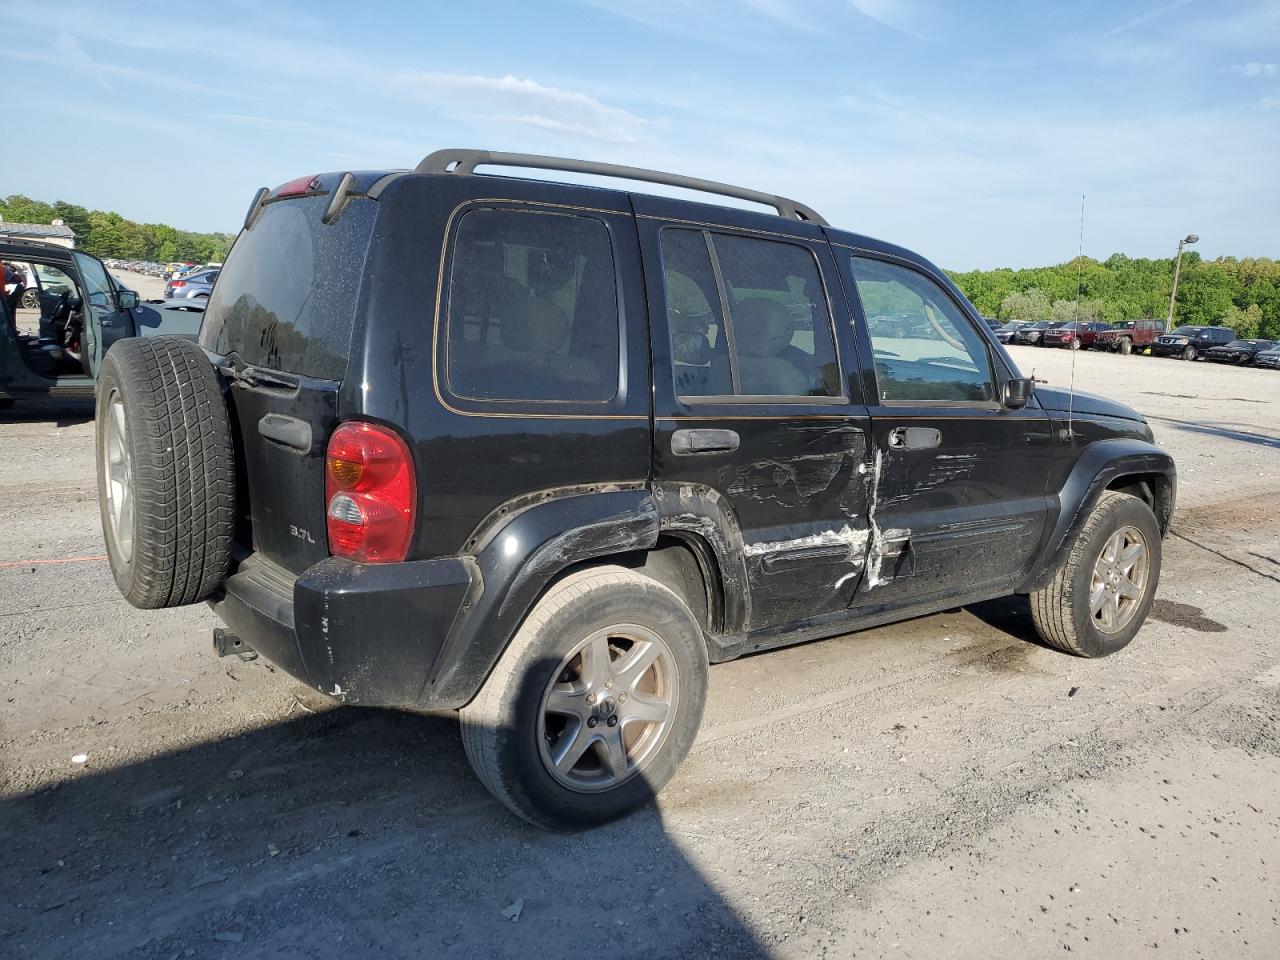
466 161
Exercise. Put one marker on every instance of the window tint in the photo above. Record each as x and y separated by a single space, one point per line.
925 349
533 310
774 339
288 297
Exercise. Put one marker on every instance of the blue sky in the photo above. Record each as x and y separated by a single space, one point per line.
967 131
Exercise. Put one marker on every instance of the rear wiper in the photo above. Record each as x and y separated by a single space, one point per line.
253 377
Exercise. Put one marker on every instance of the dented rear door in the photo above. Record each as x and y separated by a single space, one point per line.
752 404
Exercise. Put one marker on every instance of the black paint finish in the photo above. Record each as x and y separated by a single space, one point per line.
804 517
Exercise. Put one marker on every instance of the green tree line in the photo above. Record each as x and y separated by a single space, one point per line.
1243 294
107 234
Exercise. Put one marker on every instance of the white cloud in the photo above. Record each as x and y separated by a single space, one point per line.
525 101
1268 70
1148 17
900 15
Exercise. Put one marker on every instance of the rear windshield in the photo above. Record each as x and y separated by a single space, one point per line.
286 297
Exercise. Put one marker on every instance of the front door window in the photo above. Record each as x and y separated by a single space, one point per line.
925 349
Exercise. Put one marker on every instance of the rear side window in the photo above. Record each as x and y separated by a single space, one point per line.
286 297
533 308
758 328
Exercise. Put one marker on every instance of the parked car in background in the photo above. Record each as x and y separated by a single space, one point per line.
1268 358
1129 335
1074 335
193 286
1240 352
80 310
685 468
993 323
1189 343
1033 333
1004 333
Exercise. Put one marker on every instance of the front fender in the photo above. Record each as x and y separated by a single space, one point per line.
1098 467
518 550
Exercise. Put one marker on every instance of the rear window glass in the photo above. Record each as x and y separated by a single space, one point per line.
533 309
286 297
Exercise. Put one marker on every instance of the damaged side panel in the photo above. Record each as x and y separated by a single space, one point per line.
795 493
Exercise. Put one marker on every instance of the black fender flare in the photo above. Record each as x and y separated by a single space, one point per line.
518 550
1099 465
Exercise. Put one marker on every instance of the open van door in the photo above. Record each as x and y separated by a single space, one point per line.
105 320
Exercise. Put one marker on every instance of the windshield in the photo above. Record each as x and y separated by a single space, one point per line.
1185 331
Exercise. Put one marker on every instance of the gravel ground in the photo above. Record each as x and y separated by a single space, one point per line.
942 787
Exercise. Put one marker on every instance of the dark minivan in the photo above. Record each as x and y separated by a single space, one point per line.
540 452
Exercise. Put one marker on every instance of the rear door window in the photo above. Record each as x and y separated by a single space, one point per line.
748 317
533 308
286 297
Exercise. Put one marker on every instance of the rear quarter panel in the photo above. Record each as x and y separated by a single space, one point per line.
472 458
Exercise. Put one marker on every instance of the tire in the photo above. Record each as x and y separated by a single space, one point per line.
1189 352
166 476
509 736
30 299
1075 343
1125 346
1062 611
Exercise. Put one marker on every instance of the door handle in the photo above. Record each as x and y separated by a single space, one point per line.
914 438
685 443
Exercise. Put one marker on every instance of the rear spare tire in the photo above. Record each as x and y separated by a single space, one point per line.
166 475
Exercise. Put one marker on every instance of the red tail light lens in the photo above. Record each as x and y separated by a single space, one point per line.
178 283
299 186
369 494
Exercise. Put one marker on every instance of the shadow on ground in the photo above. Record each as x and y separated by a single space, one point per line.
62 411
349 833
1224 431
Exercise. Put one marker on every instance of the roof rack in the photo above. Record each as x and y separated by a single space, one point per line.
466 161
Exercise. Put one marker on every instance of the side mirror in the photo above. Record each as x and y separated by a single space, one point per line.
1017 392
126 300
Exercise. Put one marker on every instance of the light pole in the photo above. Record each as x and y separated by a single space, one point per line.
1190 238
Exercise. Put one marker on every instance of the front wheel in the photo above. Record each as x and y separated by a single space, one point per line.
1189 353
1125 347
1075 343
595 703
1103 591
31 299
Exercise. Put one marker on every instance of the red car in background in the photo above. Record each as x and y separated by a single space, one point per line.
1075 334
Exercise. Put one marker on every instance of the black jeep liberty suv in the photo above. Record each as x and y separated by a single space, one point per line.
538 453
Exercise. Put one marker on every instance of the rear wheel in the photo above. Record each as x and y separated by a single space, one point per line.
595 703
166 481
1102 592
31 299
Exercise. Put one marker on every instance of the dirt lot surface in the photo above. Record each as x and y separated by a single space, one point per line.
942 787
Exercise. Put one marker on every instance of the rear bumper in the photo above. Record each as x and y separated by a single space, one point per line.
361 633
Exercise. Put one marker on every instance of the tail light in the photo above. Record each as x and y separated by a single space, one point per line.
298 186
369 494
178 283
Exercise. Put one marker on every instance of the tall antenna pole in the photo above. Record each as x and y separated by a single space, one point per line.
1071 389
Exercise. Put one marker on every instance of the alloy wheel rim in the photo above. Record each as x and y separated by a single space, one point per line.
117 474
1119 580
608 708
